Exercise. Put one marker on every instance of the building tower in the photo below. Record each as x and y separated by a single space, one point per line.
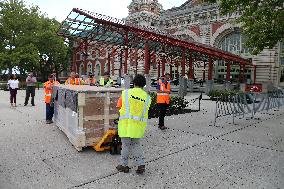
144 12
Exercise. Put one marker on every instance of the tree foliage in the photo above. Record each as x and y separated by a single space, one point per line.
28 40
262 20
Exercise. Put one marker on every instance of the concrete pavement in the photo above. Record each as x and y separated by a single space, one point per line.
190 154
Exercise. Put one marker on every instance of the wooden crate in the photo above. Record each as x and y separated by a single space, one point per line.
94 114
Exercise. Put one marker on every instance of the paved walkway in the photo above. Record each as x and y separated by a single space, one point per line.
191 154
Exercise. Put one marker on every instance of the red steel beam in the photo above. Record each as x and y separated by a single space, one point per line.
210 68
228 74
210 51
147 57
183 63
191 71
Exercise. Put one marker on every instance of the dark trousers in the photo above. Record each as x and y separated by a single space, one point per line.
30 91
13 94
49 112
163 109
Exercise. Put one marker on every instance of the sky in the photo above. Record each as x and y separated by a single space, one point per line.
60 9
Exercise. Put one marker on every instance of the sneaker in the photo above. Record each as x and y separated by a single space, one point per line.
33 104
25 104
162 127
141 169
124 169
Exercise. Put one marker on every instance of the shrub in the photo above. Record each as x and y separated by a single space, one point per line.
3 86
177 105
223 93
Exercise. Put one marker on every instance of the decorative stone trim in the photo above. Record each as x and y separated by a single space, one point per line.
222 31
189 33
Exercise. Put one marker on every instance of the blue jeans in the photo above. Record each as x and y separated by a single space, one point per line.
49 112
131 144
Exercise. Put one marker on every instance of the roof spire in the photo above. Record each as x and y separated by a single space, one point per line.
144 12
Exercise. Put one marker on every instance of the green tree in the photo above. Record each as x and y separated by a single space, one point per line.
53 49
15 24
28 40
262 20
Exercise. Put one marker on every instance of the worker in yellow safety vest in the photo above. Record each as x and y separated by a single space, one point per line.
134 105
74 79
106 81
48 89
163 98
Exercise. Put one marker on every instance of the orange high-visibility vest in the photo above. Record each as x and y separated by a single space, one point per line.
77 81
70 81
163 97
47 91
90 81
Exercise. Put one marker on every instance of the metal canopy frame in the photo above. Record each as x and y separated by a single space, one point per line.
93 27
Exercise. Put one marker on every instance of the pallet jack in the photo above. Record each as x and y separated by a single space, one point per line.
110 141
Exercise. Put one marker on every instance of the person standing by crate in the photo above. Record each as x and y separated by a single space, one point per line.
30 90
106 81
134 105
74 79
163 98
91 80
48 89
13 84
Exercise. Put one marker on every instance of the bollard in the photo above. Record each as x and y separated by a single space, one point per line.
126 81
147 88
182 87
209 86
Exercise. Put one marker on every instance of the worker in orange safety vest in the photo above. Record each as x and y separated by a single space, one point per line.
74 79
91 80
48 89
163 98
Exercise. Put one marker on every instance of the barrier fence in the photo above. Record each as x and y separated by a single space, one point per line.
247 103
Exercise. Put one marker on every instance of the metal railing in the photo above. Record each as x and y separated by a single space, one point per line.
247 103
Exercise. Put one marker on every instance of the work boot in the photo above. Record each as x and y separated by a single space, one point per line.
141 169
48 122
162 127
124 169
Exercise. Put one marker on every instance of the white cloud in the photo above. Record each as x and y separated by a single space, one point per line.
115 8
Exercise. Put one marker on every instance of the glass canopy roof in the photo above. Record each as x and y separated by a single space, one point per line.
93 27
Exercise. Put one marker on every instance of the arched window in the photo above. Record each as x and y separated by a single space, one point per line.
89 68
81 69
234 43
98 69
106 67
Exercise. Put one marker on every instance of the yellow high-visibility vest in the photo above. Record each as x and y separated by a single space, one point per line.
133 113
102 82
